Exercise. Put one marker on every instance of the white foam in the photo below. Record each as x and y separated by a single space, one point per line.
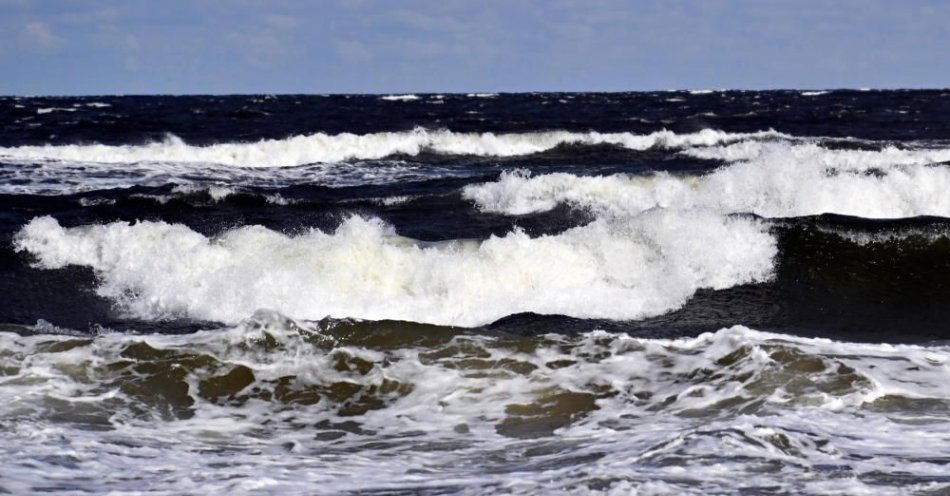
278 199
805 152
390 201
772 179
54 109
930 234
324 148
619 269
91 202
217 192
399 98
482 95
814 93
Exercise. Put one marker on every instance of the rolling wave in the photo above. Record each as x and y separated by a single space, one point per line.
324 148
654 241
777 179
619 269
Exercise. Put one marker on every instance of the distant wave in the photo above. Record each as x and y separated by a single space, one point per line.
399 98
50 110
776 179
319 147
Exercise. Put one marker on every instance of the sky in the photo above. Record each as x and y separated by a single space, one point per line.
82 47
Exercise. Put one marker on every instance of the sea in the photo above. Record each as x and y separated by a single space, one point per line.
679 292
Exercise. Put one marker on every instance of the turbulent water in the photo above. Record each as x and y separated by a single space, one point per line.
635 293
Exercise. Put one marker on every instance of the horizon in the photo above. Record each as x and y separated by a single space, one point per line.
475 92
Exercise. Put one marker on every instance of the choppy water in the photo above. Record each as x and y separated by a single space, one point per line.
651 293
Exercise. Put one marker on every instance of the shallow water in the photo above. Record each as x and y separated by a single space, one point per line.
335 406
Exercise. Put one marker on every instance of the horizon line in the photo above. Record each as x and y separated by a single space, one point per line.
485 92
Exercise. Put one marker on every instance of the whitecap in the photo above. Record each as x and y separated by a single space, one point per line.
617 269
323 148
49 110
399 98
772 179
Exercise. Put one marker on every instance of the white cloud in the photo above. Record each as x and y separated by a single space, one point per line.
354 4
352 51
281 21
424 21
259 48
39 36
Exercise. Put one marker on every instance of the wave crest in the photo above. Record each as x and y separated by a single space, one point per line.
321 148
607 269
768 179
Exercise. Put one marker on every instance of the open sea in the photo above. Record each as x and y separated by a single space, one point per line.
700 293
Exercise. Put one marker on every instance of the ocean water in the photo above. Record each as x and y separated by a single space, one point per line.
726 292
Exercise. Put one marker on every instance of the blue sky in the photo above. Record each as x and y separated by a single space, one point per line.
382 46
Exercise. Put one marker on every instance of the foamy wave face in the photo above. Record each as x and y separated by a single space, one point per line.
618 269
777 179
324 148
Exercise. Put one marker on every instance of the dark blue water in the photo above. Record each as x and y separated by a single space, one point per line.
812 293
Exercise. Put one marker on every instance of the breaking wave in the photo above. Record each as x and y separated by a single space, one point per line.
319 147
617 269
774 179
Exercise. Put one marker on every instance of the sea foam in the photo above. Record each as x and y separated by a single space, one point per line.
271 391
